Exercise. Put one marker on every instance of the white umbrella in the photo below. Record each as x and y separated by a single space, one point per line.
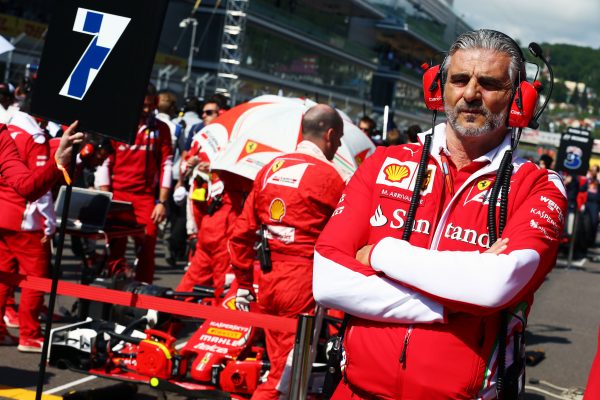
249 136
5 45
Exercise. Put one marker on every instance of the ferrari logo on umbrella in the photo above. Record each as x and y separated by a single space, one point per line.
250 147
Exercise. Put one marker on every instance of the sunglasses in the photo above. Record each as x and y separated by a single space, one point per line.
209 112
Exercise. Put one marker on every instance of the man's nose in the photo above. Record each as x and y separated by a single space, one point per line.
472 91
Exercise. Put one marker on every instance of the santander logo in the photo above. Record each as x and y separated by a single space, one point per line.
378 219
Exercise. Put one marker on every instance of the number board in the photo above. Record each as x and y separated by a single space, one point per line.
575 151
96 64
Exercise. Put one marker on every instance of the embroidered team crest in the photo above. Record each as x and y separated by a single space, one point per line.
277 210
250 147
277 165
396 172
427 179
483 184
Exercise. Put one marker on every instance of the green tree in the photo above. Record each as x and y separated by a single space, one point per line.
575 96
583 101
560 92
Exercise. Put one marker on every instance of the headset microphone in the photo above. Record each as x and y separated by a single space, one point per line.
536 50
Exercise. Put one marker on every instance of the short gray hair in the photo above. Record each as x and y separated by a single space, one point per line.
491 40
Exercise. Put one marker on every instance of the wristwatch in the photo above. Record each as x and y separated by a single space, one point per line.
163 202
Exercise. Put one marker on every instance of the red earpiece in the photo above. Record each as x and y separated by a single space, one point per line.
432 88
522 108
87 150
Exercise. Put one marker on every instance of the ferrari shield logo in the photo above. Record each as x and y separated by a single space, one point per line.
484 184
277 165
250 147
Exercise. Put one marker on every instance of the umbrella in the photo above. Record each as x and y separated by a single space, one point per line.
254 133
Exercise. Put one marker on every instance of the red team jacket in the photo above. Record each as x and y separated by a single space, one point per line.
139 167
18 213
434 303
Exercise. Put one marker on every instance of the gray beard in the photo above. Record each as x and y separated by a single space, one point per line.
492 122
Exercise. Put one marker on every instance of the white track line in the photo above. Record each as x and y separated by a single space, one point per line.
70 385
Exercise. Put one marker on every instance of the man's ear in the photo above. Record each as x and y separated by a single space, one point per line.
327 135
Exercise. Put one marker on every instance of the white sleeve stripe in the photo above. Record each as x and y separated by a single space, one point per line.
167 172
557 181
102 174
482 279
370 297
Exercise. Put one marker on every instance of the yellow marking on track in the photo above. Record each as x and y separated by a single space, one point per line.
23 394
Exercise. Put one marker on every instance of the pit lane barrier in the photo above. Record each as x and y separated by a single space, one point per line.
304 326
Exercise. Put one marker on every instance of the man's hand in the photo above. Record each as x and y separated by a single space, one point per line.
159 213
192 161
243 298
204 167
362 255
65 148
498 247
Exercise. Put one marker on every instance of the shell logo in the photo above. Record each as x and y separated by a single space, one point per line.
396 173
277 210
277 165
484 184
250 147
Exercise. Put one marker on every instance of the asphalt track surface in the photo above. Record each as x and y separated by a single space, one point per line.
563 325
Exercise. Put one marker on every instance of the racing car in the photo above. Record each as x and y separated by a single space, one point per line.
219 361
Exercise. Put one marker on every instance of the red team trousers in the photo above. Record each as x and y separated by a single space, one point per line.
143 205
22 251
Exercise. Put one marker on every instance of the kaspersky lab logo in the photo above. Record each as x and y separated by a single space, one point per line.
106 30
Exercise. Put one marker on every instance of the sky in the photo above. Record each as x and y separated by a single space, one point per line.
551 21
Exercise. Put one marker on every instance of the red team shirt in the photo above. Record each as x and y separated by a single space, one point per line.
139 167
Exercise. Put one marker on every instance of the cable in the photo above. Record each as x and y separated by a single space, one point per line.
414 201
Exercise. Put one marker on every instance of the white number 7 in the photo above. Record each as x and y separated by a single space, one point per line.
106 30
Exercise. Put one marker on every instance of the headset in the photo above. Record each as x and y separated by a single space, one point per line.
96 145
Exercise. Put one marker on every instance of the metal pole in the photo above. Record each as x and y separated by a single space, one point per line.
386 114
301 364
573 236
188 75
55 270
9 57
